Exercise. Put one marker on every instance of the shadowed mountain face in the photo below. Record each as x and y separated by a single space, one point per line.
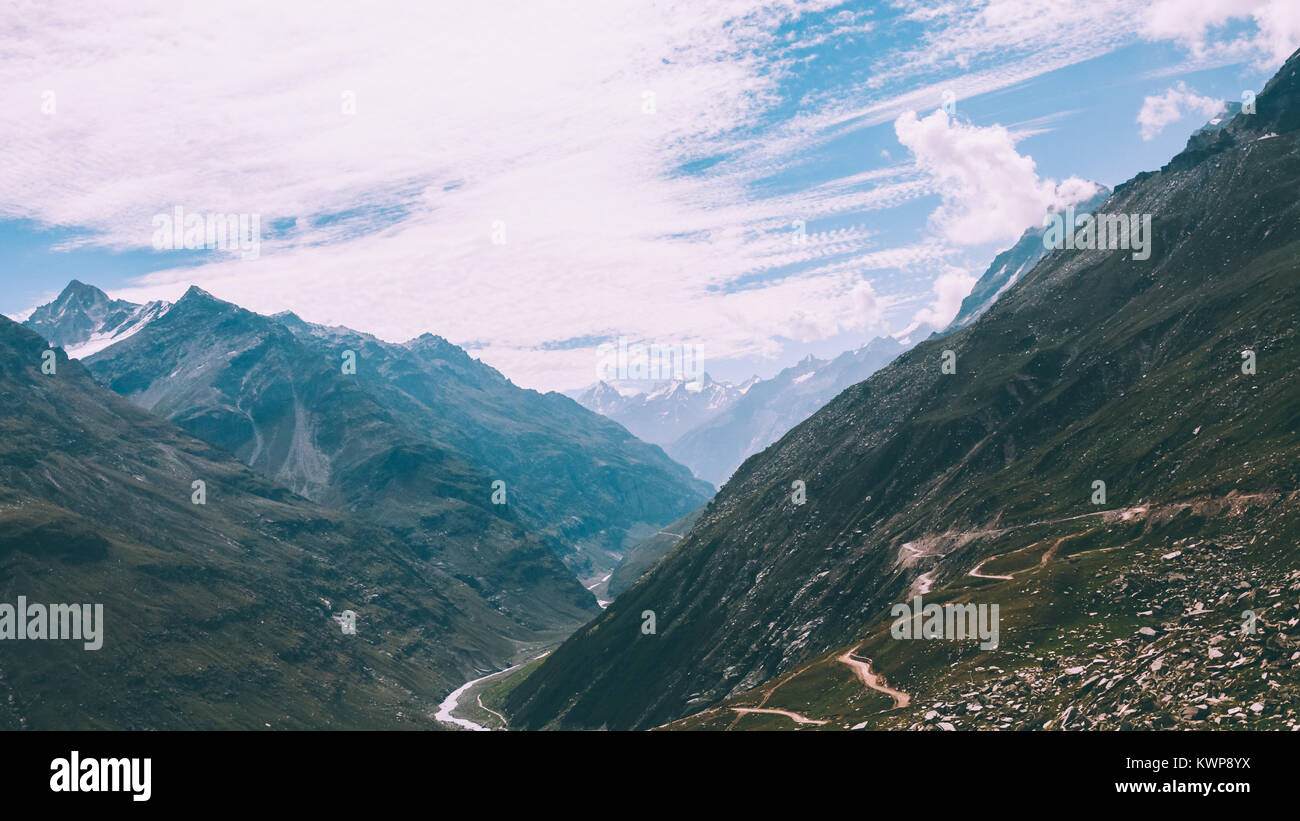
216 615
413 439
1093 367
244 383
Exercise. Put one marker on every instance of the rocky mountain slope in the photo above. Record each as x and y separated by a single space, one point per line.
414 439
979 486
215 615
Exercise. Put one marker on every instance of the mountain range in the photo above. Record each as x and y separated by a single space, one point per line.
668 410
714 427
221 600
407 483
414 439
717 447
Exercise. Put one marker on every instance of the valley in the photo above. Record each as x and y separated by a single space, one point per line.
993 446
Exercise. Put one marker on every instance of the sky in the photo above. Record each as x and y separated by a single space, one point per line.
757 180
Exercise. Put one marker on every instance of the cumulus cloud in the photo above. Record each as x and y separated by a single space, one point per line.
950 288
1172 106
990 191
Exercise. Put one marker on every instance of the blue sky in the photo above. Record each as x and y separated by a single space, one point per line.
530 180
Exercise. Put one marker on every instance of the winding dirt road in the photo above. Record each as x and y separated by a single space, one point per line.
1048 555
795 717
975 571
875 682
504 723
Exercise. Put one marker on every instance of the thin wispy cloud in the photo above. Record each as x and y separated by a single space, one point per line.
647 164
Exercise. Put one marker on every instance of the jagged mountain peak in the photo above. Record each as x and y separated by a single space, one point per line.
427 338
195 294
75 296
434 347
76 288
290 320
83 319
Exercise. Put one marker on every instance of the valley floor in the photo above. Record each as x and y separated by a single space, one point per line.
464 708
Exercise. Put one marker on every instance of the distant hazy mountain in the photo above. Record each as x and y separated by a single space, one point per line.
83 320
771 407
215 615
1010 265
662 414
712 429
413 440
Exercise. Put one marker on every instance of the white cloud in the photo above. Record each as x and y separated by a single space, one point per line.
990 191
1172 106
1202 26
529 113
950 288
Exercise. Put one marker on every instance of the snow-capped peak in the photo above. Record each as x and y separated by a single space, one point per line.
83 320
